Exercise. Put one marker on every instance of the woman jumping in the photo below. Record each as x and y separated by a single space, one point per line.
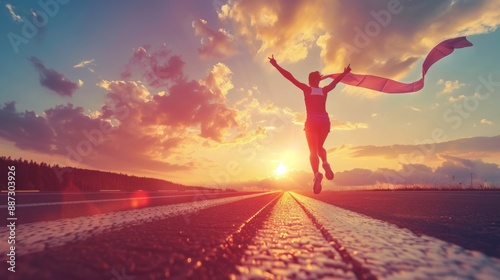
317 125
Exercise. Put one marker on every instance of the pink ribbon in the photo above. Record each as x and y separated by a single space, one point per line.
390 86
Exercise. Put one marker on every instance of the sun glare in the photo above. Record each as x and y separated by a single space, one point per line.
281 169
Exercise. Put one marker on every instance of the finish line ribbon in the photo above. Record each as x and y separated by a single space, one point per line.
390 86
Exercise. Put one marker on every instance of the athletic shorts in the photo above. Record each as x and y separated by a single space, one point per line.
318 122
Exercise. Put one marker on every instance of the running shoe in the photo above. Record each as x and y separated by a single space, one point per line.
317 183
328 171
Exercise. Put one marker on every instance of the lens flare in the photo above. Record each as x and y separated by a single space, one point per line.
139 199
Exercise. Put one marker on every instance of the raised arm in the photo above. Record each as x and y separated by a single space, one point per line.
287 74
339 78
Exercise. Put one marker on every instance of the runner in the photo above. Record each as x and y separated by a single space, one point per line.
317 125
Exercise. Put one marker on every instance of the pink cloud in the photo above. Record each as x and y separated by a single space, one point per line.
215 43
158 68
67 131
135 130
186 103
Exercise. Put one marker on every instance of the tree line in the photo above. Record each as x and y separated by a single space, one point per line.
31 175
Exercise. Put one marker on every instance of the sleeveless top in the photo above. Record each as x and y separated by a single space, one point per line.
315 101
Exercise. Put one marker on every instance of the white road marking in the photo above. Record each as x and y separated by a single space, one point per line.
35 237
93 201
394 253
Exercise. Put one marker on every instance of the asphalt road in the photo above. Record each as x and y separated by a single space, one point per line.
470 219
47 206
255 236
164 248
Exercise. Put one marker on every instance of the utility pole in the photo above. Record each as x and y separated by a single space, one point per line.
471 180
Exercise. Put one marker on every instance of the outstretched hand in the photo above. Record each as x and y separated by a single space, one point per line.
272 60
347 69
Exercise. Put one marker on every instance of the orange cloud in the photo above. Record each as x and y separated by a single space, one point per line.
289 28
486 122
219 80
381 37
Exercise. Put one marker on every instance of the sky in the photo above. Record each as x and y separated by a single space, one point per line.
183 90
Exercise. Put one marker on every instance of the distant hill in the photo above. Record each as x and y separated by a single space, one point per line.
44 177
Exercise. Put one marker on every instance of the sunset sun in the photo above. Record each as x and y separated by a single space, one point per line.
281 169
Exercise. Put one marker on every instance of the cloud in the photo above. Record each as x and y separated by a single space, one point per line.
158 68
474 147
54 80
188 103
287 27
102 140
85 64
13 14
486 122
415 109
215 43
155 132
111 139
219 80
461 170
26 129
450 86
37 17
408 174
452 172
375 38
192 104
355 177
457 99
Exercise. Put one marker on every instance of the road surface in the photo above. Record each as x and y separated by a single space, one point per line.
274 235
470 219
